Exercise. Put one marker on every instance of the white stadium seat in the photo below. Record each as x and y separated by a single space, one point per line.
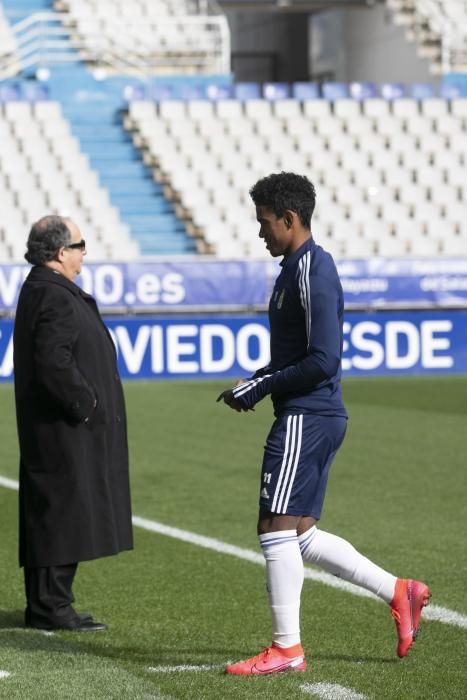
390 174
434 107
317 109
425 247
392 247
375 107
286 109
376 190
347 109
405 108
44 172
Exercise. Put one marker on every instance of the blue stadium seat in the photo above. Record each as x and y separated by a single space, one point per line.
276 91
215 91
190 91
34 91
305 91
247 91
161 91
451 90
10 92
363 91
422 91
133 92
392 91
334 90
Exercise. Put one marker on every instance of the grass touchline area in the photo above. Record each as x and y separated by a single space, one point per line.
432 612
185 600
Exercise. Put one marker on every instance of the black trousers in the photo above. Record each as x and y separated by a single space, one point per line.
49 595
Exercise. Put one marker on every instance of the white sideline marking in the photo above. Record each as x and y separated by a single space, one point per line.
331 691
432 612
184 667
27 630
445 615
9 483
4 674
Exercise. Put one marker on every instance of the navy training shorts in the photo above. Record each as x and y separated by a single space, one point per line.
297 456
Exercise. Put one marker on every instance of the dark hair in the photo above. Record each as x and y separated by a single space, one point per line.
282 191
45 237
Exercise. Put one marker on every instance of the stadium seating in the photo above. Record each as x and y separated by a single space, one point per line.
439 27
7 38
115 37
389 174
129 183
43 170
148 36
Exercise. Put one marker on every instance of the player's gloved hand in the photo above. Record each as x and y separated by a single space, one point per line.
236 404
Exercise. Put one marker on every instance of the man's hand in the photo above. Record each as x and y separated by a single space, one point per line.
229 399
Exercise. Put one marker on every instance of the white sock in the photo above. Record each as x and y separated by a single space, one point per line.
284 574
339 557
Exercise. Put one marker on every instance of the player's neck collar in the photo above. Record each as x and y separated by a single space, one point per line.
297 254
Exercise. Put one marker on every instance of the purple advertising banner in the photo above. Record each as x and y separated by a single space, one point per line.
211 285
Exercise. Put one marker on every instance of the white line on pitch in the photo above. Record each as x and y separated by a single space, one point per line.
432 612
27 630
331 691
9 483
4 674
183 668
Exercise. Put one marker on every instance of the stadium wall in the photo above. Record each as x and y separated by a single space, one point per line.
174 320
363 45
346 45
201 347
269 46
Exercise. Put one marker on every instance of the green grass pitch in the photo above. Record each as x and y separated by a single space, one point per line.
397 491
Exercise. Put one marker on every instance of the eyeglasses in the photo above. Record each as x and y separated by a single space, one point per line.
81 245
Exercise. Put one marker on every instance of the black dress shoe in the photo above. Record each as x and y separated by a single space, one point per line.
76 624
82 625
85 616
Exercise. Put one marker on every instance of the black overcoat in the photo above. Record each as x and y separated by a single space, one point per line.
74 494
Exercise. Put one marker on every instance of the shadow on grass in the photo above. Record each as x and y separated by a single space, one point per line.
14 635
11 618
12 621
166 656
357 659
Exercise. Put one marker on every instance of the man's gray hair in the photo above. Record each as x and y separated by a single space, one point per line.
45 238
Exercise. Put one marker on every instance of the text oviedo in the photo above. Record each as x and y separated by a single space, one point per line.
374 343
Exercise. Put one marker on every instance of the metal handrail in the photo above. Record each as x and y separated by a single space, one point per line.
40 43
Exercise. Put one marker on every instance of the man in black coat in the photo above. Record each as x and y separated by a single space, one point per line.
74 495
